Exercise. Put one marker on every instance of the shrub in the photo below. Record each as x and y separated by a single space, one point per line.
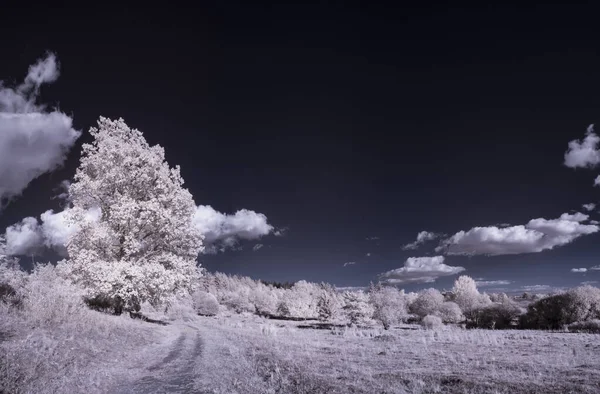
205 304
357 307
432 322
328 307
556 311
590 326
450 312
427 302
389 304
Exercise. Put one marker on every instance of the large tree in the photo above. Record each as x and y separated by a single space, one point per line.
142 245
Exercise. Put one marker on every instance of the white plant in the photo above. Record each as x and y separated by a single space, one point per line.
432 322
357 307
428 302
389 304
450 312
328 305
205 304
143 247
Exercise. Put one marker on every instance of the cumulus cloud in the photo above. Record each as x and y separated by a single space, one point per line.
30 236
595 268
537 235
578 269
589 282
589 207
24 238
420 270
349 263
223 231
422 237
33 141
487 283
584 153
372 238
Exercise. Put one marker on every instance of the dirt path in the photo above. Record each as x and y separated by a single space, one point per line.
176 372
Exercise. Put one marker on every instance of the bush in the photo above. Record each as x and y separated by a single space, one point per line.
450 312
105 304
205 304
432 322
590 326
427 302
556 311
357 307
389 304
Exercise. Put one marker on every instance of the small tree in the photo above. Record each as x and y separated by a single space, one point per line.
450 312
328 307
205 304
144 246
428 302
357 307
389 304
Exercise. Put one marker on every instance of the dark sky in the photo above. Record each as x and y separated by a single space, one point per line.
340 121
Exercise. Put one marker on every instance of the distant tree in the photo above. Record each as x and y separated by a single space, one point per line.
328 306
428 302
205 304
143 247
450 312
357 307
389 305
556 311
432 322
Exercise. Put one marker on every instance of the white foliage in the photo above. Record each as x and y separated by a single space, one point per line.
432 322
466 294
328 305
389 304
357 307
205 303
144 247
428 302
450 312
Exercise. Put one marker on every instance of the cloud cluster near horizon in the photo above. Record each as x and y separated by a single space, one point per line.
420 270
27 130
535 236
221 231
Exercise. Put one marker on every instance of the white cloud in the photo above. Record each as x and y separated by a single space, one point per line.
349 263
372 238
589 207
487 283
257 247
583 153
368 255
422 237
595 268
30 237
537 235
24 238
420 270
578 270
32 140
594 222
223 231
589 282
536 288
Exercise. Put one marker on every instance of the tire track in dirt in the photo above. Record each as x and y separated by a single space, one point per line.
176 372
